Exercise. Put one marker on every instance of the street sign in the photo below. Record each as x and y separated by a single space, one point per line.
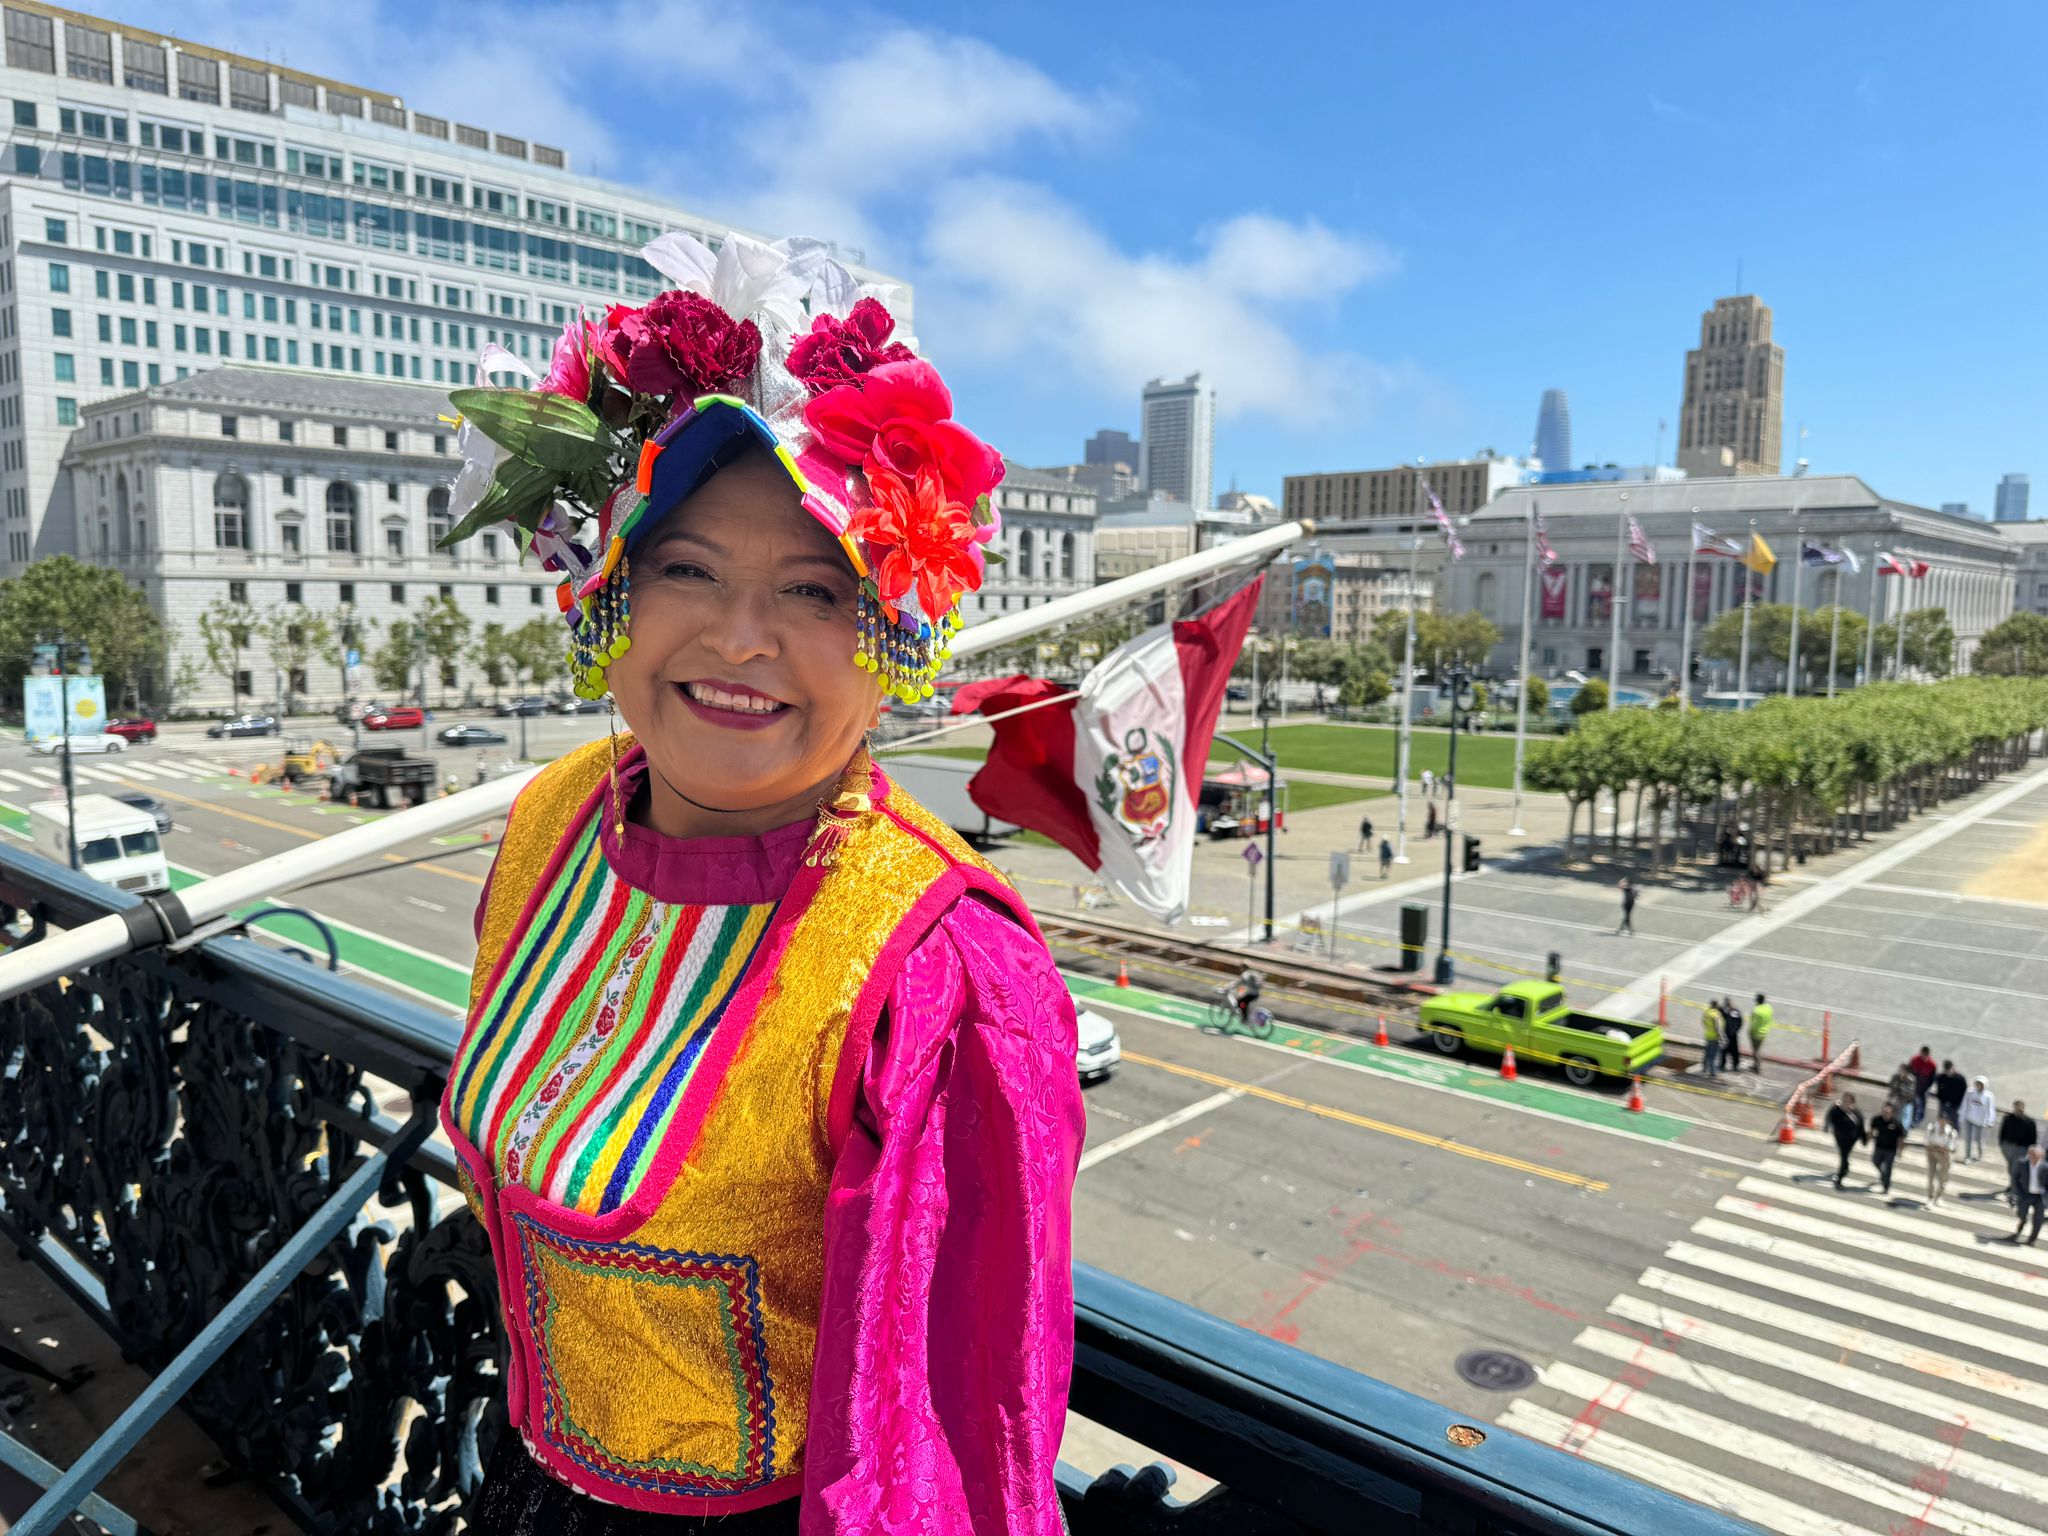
43 701
354 657
1340 868
1252 855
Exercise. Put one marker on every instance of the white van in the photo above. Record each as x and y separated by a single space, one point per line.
116 843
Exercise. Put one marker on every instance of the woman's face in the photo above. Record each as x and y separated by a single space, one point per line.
739 681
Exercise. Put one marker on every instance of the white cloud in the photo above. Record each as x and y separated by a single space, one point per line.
1262 257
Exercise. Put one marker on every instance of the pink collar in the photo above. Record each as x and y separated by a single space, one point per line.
699 871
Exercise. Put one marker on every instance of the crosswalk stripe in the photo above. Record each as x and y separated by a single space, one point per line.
1973 1302
1932 1229
135 771
1994 1341
1909 1446
1679 1477
17 780
91 775
1950 1264
1859 1164
1847 1378
48 775
169 770
1628 1400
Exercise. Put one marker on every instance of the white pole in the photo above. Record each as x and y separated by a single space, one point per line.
1614 618
1792 652
1742 667
1835 633
1286 645
1685 631
1407 712
1254 644
1899 633
1870 625
1522 677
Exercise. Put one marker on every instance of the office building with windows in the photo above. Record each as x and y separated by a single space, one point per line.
1554 430
166 207
1732 418
1177 447
2009 505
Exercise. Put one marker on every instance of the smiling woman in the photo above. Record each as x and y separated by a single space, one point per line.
767 1097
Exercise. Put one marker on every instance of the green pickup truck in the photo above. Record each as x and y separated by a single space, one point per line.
1531 1016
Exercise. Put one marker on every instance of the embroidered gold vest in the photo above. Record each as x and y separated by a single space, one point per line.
662 1351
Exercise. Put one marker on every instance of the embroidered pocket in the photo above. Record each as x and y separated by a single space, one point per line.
651 1365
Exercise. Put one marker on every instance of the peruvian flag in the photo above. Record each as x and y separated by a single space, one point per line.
1112 771
1893 565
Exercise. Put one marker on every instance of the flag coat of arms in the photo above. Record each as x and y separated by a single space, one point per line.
1112 771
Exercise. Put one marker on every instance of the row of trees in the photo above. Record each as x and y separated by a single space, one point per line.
89 606
1806 768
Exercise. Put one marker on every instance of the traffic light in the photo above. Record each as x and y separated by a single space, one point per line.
1471 854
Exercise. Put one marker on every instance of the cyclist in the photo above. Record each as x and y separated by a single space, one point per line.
1244 992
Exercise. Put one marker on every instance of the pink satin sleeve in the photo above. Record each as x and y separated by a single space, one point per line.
946 1335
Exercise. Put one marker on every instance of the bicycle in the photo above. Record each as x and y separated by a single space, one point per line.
1225 1017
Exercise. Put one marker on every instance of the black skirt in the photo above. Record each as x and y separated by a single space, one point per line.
519 1499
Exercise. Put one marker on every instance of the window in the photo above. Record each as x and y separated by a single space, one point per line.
60 274
447 590
284 435
295 591
289 536
127 331
394 543
398 593
438 522
66 366
341 518
391 442
491 597
440 441
347 593
238 592
24 114
289 484
533 596
56 232
106 327
60 322
231 515
107 372
231 426
67 411
341 437
490 542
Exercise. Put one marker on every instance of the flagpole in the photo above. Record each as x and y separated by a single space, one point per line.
1899 633
1835 634
1614 619
1742 667
1516 829
1407 710
1685 642
1870 624
1792 654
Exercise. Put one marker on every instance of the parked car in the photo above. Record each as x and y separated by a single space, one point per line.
405 717
355 709
471 736
150 805
525 704
245 725
78 745
132 730
576 706
1099 1050
1531 1018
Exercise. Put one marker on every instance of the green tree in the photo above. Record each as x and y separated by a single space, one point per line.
494 654
1467 638
446 629
540 648
89 606
1815 631
225 630
347 631
1539 694
396 663
295 635
2015 647
1930 643
1591 699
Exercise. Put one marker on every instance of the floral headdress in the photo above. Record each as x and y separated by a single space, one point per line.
777 341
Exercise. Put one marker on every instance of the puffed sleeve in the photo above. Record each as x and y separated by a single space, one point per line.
946 1334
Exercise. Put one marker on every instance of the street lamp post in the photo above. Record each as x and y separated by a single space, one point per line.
1456 680
64 742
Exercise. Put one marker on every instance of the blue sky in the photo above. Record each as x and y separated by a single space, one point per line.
1381 231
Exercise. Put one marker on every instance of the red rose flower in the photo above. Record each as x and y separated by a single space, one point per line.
840 351
966 466
683 344
898 418
923 539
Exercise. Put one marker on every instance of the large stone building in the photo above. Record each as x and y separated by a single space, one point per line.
167 207
274 487
2030 579
1396 494
1047 543
1732 419
1337 588
1972 568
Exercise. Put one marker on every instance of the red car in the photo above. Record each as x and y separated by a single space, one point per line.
404 718
132 730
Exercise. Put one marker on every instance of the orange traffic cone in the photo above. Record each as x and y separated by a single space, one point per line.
1380 1038
1507 1065
1635 1096
1785 1136
1806 1119
1123 974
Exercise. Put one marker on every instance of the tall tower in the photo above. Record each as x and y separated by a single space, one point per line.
1554 430
1733 416
1177 456
2010 504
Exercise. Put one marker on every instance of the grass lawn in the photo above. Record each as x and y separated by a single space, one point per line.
976 753
1487 761
1303 795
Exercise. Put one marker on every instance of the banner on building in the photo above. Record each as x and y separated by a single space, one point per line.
1702 594
1648 597
1599 593
1556 584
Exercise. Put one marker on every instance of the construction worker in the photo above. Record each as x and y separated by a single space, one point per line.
1711 1027
1760 1020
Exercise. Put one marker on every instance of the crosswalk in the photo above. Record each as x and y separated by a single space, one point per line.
119 769
1823 1362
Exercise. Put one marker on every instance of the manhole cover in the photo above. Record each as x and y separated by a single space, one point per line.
1495 1370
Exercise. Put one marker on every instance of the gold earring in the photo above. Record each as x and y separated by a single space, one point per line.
611 713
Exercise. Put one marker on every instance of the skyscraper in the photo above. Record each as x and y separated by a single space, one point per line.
1733 416
1111 447
2010 503
1177 454
1554 430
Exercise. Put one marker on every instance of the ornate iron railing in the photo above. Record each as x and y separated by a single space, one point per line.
176 1121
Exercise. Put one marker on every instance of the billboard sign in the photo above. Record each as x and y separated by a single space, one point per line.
43 707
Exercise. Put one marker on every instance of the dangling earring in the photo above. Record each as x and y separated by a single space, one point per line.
611 713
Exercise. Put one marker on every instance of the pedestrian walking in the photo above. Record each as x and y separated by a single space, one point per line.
2016 1133
1950 1088
1899 1093
1428 785
1845 1124
1429 822
1732 1033
1887 1132
1628 907
1924 1074
1386 857
1761 1018
1978 1114
1710 1040
1364 834
2029 1191
1941 1151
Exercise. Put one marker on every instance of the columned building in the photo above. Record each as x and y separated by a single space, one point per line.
1971 569
1047 543
276 488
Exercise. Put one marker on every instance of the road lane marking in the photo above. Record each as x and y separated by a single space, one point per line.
48 775
170 769
431 906
1835 1375
92 775
314 837
1346 1117
1732 941
1674 1476
135 771
1772 1451
1165 1123
1770 1215
1959 1176
1884 1216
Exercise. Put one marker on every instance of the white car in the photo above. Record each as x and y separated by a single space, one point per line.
97 741
1099 1049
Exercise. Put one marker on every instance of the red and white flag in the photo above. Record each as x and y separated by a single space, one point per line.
1113 772
1707 542
1545 555
1894 565
1443 521
1638 545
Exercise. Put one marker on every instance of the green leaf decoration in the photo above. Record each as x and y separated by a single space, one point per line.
993 556
520 492
982 515
547 430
